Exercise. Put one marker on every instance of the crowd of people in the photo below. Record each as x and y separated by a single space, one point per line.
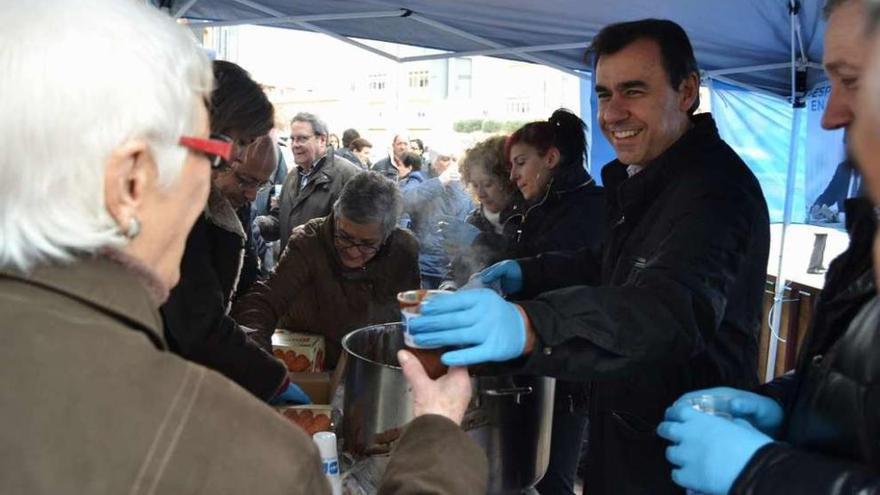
151 246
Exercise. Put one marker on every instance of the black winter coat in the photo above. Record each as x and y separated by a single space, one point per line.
830 437
568 217
197 324
671 304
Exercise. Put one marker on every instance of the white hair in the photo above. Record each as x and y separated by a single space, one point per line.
77 79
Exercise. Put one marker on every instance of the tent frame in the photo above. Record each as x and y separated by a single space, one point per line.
798 65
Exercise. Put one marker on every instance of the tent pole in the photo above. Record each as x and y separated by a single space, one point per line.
311 27
791 175
496 51
492 44
750 68
184 9
269 21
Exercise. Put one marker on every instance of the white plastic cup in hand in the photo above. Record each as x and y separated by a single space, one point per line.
716 405
410 302
450 174
326 442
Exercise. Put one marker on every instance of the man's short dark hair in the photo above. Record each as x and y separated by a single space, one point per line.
359 144
318 125
238 104
412 160
675 47
348 136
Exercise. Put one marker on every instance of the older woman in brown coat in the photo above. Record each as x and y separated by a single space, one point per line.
339 272
95 207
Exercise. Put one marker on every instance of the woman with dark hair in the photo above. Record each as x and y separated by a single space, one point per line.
561 209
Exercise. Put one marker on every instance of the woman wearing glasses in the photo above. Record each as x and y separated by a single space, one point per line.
339 272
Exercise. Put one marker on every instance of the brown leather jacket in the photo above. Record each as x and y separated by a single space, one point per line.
90 403
310 291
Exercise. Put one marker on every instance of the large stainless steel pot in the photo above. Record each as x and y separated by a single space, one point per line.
509 416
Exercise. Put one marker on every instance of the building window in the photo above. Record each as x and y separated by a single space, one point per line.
518 107
462 81
377 82
418 79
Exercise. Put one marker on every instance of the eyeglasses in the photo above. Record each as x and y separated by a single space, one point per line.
301 139
217 149
249 183
345 241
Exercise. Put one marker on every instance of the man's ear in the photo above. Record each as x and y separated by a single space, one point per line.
128 174
689 91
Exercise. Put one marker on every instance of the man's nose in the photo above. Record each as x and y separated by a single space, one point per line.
838 110
250 193
613 110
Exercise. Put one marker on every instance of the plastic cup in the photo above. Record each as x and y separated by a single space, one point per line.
411 306
716 405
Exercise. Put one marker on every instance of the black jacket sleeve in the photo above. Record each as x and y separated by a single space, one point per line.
779 469
198 328
782 389
555 270
661 310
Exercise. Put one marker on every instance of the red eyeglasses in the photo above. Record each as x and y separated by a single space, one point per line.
217 149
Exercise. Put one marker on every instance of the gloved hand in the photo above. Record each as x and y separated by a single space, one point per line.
762 412
456 233
292 394
508 272
708 451
490 327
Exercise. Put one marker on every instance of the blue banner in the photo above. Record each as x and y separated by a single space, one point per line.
758 128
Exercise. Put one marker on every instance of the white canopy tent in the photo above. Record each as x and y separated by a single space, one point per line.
767 46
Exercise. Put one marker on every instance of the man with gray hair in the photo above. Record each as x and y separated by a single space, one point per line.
315 183
340 272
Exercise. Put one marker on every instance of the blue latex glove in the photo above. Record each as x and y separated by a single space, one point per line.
291 395
490 328
762 412
508 272
708 451
457 233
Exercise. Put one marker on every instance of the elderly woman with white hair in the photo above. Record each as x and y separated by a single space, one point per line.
106 165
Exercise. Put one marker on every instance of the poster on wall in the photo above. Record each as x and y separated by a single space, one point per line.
830 177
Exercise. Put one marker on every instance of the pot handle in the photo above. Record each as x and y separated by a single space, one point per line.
501 392
516 392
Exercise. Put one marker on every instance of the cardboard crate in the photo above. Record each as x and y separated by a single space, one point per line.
320 387
301 352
